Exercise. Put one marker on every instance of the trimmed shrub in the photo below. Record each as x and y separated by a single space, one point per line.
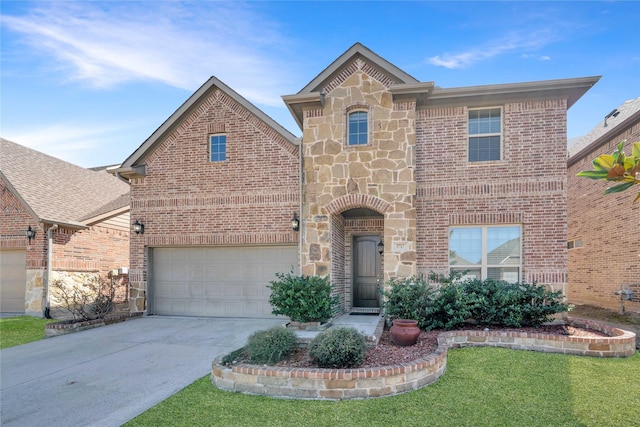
408 298
303 298
451 302
338 347
271 345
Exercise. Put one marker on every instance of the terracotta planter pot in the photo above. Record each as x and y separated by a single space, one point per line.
404 332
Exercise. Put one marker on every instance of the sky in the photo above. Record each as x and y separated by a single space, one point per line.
89 81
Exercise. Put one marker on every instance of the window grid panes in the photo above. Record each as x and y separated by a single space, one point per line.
486 252
358 128
218 148
484 134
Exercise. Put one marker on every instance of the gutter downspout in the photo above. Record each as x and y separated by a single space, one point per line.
300 233
121 178
47 282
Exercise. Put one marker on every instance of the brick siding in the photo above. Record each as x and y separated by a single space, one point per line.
609 227
527 187
186 200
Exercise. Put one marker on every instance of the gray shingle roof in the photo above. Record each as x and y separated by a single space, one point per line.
626 110
58 191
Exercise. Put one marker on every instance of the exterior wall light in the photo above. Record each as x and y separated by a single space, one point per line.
31 234
295 222
380 248
138 227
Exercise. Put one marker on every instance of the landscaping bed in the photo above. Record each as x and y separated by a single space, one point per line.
401 372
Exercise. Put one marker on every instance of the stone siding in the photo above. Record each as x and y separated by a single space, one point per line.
377 176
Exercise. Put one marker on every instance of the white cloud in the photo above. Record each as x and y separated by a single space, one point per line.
513 42
107 44
78 144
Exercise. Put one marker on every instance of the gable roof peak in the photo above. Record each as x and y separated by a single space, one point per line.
344 60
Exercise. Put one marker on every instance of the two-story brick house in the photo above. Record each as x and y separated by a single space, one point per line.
392 177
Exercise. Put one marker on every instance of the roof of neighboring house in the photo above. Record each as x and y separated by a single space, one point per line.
619 118
134 164
55 191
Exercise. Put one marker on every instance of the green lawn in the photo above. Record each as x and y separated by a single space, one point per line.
21 330
481 387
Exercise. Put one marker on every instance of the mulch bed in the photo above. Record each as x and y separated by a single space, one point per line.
386 353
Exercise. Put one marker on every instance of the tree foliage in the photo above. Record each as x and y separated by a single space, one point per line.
617 167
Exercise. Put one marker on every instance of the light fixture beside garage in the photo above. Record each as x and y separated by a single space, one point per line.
31 234
138 227
380 248
295 222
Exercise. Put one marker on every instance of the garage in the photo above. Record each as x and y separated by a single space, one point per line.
216 281
13 279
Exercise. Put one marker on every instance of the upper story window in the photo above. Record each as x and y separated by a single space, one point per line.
486 252
358 128
485 131
218 148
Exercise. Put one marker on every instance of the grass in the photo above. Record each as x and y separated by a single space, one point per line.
21 330
481 387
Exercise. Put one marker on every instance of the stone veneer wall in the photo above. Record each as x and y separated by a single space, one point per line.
378 176
186 200
609 227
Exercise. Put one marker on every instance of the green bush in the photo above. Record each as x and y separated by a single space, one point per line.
455 302
408 299
271 345
338 347
303 298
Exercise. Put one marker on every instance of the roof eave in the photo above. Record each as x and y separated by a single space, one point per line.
571 89
418 91
64 223
296 103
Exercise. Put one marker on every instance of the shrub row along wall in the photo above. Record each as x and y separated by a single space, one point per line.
338 384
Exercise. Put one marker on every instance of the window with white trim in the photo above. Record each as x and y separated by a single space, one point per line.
358 128
485 134
486 251
218 148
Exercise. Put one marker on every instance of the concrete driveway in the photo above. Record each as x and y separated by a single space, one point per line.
108 375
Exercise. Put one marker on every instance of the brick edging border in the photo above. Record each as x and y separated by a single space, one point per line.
62 328
360 383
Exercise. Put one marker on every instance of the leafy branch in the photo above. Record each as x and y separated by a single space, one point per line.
616 167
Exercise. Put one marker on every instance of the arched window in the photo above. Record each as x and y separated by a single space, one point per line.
358 128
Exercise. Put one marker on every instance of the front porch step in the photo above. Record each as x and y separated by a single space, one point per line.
365 310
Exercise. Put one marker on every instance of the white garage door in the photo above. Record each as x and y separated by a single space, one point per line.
13 278
216 282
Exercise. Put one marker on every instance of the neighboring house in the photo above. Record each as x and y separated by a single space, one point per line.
604 229
390 177
81 222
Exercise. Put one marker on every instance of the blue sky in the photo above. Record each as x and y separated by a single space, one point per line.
89 81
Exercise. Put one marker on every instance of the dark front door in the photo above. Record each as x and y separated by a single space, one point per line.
366 271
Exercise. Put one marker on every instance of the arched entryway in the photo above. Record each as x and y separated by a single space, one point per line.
357 258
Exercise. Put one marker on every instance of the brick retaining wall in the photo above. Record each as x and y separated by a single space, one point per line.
360 383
